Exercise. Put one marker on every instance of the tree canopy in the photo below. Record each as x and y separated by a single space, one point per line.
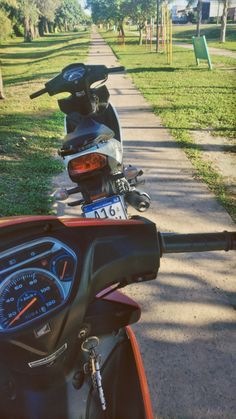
33 17
117 10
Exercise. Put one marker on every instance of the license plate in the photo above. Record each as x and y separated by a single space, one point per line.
112 207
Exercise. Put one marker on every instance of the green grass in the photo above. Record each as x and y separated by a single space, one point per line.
30 130
184 33
187 98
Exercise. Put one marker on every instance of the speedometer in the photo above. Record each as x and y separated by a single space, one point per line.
26 295
74 73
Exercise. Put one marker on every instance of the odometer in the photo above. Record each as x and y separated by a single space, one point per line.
26 295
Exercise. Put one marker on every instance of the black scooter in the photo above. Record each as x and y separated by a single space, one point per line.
93 150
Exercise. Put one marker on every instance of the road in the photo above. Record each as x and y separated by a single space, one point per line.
187 333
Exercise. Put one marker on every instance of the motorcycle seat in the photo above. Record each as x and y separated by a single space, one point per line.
86 132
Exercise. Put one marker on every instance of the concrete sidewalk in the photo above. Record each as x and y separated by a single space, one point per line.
187 332
212 50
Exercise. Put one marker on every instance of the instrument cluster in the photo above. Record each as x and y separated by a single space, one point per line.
35 278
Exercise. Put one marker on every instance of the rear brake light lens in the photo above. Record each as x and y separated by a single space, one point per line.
86 164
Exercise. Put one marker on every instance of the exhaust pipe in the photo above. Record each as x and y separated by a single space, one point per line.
139 200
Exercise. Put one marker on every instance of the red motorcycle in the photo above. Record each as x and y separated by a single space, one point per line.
66 345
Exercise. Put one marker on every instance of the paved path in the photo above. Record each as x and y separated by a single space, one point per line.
212 50
187 332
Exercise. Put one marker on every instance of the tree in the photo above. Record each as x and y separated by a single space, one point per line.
199 14
199 17
224 21
30 16
140 11
5 30
5 25
109 11
68 15
47 13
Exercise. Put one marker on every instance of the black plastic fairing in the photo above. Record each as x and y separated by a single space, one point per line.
86 131
108 315
107 117
109 252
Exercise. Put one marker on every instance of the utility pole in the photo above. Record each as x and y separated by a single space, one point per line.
157 27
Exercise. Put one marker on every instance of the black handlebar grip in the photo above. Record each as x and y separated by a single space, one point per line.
38 93
116 69
200 242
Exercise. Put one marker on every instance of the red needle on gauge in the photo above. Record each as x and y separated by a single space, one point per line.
23 311
64 269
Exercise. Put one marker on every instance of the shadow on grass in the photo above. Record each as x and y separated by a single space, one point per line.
151 69
49 119
29 78
42 55
155 146
45 41
165 69
204 87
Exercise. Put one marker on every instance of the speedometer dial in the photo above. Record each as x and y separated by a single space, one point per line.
63 266
27 295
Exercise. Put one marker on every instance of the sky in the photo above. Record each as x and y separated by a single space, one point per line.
82 2
178 2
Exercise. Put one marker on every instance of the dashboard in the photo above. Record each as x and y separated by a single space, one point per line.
35 279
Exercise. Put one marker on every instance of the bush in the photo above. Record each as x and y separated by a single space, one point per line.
5 25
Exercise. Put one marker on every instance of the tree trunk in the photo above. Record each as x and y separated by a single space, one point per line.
51 27
36 31
140 35
121 28
224 21
1 86
41 26
46 26
27 31
199 17
218 13
32 32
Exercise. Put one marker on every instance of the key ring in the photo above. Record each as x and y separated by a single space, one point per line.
90 343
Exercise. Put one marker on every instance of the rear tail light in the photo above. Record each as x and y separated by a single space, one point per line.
86 164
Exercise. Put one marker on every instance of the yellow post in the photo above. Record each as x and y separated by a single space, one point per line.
163 29
167 34
171 48
150 35
167 24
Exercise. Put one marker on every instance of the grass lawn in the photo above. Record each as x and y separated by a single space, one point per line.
187 98
30 130
184 33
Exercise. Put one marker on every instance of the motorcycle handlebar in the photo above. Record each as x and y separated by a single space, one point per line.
197 242
115 70
66 81
38 93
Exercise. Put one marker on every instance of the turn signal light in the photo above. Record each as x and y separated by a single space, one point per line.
85 164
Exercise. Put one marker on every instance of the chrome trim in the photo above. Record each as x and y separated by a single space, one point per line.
56 246
49 359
